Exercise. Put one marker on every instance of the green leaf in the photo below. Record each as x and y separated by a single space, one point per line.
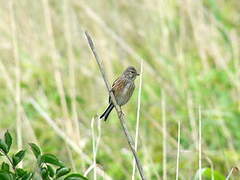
8 139
20 172
75 176
5 167
51 159
50 171
208 174
6 175
35 149
44 173
62 171
27 176
3 146
18 157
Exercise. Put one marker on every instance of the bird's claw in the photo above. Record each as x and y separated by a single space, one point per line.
122 113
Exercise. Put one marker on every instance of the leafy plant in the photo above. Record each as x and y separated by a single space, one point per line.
208 173
9 170
49 166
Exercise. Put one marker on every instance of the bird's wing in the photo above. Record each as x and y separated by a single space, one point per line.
117 86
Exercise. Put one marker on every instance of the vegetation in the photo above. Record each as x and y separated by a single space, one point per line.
51 89
45 163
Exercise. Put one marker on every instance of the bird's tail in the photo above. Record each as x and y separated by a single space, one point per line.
107 112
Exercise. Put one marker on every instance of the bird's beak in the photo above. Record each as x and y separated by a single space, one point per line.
138 74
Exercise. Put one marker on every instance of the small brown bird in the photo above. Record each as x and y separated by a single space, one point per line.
122 89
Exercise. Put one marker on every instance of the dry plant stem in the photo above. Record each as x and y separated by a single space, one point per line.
119 112
67 33
230 173
192 119
199 141
18 78
96 141
178 149
89 170
94 149
164 130
138 117
72 78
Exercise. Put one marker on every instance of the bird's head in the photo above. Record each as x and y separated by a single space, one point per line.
131 73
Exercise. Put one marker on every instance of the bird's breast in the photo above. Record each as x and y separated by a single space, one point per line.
127 88
125 94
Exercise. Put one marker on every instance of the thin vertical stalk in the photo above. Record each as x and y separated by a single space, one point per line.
233 170
164 130
94 149
138 118
95 143
71 67
18 78
200 141
178 149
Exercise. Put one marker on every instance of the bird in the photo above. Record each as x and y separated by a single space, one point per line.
122 89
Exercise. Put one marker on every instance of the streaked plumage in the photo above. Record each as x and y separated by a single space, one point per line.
122 89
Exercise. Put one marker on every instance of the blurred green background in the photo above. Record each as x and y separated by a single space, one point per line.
51 87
